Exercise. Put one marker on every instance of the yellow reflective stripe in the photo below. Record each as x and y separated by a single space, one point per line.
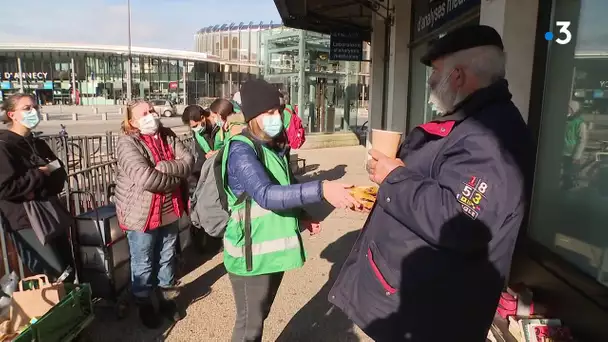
265 247
256 212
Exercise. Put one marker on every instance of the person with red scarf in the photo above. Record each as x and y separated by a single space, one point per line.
151 197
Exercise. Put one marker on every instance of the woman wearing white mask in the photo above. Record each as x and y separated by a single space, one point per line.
151 196
29 170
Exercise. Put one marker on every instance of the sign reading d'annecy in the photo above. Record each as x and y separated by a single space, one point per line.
24 75
346 46
431 14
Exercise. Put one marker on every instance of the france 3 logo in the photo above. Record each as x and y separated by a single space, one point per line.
564 35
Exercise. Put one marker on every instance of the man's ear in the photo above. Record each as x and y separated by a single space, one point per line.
459 77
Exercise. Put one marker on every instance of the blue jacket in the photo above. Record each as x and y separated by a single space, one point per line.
246 173
431 260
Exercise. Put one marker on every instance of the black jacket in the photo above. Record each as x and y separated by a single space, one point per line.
20 158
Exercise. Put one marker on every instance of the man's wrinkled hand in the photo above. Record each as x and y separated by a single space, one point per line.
380 166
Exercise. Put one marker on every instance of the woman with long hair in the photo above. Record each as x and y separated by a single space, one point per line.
220 110
151 197
30 171
262 238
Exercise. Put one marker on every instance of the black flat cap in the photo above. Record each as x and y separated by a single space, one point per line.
462 38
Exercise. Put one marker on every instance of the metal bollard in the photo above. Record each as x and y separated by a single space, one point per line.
120 111
104 116
95 110
45 116
74 116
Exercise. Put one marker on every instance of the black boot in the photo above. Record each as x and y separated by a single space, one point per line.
168 304
148 313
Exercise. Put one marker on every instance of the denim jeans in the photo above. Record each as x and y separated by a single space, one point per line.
153 258
253 296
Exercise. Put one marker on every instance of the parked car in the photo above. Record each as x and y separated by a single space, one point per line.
165 108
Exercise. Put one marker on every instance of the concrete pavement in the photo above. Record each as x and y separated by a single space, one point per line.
301 311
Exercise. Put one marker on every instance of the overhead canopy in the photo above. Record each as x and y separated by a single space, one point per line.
328 16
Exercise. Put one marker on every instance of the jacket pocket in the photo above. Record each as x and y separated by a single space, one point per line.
372 251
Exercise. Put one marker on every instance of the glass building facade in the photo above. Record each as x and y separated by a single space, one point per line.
101 78
332 95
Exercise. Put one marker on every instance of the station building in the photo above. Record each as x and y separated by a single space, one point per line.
99 73
332 95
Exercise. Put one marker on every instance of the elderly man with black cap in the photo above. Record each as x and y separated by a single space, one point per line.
433 257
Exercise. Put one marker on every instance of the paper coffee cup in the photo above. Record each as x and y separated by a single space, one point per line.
386 142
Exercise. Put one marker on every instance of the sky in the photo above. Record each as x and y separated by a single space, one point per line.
168 24
171 24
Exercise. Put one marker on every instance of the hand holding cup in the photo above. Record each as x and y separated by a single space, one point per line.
380 166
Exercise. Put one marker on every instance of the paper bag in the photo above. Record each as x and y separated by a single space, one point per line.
30 303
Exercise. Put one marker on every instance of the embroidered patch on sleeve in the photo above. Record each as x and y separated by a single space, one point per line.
471 196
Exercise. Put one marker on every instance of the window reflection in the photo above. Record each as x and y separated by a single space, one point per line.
571 187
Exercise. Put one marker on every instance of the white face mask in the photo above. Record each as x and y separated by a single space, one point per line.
30 118
148 124
441 98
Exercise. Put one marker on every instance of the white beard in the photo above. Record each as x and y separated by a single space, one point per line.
444 101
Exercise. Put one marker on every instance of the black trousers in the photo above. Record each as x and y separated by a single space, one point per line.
569 173
51 259
254 296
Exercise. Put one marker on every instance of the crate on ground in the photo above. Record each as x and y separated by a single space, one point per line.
104 252
65 320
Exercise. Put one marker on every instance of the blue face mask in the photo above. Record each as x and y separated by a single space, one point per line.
30 119
273 125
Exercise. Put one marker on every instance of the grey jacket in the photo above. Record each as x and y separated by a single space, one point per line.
138 177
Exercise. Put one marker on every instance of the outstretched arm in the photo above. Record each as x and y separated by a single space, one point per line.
245 168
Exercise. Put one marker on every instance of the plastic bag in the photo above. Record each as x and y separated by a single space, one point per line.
8 285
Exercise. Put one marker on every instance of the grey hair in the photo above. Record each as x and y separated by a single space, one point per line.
485 62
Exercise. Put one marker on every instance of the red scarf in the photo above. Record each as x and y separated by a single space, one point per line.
161 150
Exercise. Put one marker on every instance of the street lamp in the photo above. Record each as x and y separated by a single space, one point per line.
129 57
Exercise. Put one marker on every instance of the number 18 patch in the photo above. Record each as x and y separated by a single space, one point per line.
471 195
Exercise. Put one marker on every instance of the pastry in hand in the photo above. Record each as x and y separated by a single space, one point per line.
366 195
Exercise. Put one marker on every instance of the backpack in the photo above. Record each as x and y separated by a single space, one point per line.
296 135
209 205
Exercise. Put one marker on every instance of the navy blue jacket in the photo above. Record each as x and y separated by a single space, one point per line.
246 173
431 260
